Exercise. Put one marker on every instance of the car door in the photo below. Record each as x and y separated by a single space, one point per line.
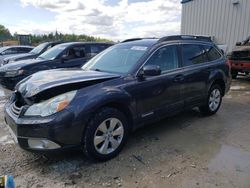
74 56
195 73
158 96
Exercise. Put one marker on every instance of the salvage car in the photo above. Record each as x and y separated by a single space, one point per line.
239 58
8 51
65 55
32 54
128 85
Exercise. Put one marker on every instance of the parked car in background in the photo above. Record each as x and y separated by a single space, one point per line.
12 50
65 55
128 85
239 58
32 54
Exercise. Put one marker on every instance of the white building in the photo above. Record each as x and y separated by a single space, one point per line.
226 21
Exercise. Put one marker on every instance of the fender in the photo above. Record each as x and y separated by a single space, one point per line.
216 75
112 95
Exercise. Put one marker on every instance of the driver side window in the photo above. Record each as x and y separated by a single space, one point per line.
75 53
166 58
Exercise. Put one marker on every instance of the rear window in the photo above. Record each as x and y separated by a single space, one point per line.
212 53
192 54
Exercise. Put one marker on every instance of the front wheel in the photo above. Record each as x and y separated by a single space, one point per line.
213 101
105 134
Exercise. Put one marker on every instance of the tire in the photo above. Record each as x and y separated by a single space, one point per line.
213 102
234 74
101 140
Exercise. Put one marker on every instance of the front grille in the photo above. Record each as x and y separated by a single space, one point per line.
241 54
18 103
16 110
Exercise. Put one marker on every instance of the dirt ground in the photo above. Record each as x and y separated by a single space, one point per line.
185 151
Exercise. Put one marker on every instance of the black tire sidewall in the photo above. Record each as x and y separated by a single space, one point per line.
93 124
205 110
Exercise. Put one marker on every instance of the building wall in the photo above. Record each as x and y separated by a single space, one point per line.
226 22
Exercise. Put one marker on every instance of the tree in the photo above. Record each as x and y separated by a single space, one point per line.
4 33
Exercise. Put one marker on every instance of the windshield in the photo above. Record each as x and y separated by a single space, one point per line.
39 48
117 59
52 53
2 49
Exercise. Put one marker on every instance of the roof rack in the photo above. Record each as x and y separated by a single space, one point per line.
185 37
133 39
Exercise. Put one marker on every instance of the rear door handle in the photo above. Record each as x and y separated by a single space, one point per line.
179 78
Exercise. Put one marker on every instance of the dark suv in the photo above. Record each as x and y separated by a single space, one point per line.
128 85
65 55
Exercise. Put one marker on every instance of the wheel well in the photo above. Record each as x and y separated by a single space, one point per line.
124 109
221 83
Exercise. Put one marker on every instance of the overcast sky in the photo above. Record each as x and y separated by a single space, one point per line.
111 19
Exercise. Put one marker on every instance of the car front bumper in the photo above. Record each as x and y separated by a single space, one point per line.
43 134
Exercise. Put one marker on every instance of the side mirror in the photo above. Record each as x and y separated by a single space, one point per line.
150 70
238 43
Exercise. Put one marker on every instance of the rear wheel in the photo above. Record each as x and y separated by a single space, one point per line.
213 101
234 74
105 134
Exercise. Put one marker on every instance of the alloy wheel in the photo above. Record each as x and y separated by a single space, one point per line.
214 99
108 136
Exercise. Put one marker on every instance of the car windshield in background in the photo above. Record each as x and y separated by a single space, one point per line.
52 53
38 49
2 49
118 59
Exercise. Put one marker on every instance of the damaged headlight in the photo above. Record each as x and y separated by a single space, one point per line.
13 73
50 106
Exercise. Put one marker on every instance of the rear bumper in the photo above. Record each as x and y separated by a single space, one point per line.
240 65
53 133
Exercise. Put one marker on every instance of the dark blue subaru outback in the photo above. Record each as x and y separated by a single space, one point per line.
126 86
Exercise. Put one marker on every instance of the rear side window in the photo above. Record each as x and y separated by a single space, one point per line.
24 50
212 53
96 49
192 54
166 58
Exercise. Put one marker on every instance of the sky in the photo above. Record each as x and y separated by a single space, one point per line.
111 19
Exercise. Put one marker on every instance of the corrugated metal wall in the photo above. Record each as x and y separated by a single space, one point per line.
228 23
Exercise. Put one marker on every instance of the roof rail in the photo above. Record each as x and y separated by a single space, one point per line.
185 37
133 39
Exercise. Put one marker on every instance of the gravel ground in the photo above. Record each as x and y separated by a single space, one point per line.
183 151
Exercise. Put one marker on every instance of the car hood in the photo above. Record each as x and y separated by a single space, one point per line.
20 56
242 48
56 81
19 64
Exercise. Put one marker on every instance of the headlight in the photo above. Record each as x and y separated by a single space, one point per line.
50 106
13 73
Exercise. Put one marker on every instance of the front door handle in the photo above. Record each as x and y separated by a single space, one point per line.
179 78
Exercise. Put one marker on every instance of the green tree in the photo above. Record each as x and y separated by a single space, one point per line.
4 33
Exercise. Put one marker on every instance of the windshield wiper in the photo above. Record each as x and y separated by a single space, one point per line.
97 70
40 57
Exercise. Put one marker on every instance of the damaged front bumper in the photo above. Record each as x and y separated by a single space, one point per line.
50 133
